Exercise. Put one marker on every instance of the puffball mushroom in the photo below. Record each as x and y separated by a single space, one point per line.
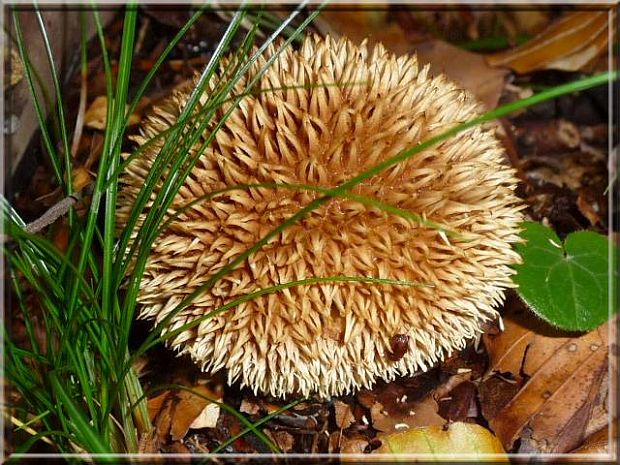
328 111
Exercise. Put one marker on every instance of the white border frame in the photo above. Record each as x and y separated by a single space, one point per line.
363 458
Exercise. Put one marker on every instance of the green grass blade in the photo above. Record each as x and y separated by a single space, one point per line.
115 131
364 200
28 74
400 157
60 109
166 154
81 427
254 426
150 227
158 63
152 339
250 427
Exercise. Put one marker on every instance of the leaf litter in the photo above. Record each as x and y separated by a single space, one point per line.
558 376
517 382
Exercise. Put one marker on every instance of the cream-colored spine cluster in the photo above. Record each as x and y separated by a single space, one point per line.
327 112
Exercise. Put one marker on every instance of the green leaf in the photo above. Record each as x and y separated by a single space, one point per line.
570 285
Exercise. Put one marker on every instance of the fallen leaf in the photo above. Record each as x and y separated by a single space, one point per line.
588 207
148 443
81 178
460 403
61 235
16 68
207 418
604 406
174 413
353 446
495 393
506 349
179 448
95 116
371 24
188 408
163 419
283 439
468 69
457 439
344 415
424 412
249 407
562 376
525 21
603 441
155 404
394 407
569 44
548 136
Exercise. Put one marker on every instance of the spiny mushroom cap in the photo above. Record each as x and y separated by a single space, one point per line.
327 339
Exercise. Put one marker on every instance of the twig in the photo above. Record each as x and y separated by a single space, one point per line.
50 216
141 35
21 425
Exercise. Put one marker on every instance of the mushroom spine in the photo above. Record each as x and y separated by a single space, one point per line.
326 112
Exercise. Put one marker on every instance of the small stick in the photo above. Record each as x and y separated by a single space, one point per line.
51 215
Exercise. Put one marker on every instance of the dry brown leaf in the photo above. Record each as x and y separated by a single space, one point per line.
372 24
450 384
283 439
507 348
423 412
155 404
599 442
586 207
604 406
494 393
529 22
562 375
162 417
249 407
61 234
96 114
148 443
460 404
344 415
16 71
207 418
188 408
81 178
179 448
569 44
353 446
175 413
468 69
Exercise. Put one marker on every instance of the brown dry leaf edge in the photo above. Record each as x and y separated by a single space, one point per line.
569 44
559 378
